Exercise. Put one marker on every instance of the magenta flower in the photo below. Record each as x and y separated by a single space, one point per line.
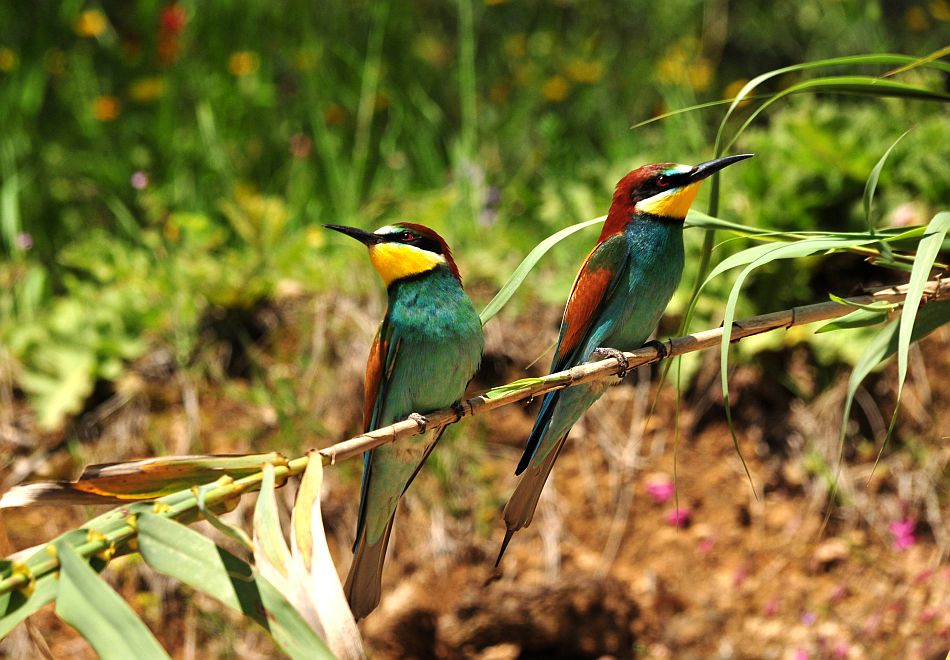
678 517
139 180
660 490
903 533
800 654
23 240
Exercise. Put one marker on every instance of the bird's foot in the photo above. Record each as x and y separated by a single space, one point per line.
420 421
459 409
662 351
604 353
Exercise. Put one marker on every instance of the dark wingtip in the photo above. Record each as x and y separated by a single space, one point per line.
523 463
504 546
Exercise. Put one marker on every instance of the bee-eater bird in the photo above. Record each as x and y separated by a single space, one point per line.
426 351
618 297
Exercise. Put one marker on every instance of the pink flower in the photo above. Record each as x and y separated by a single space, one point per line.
903 533
678 517
660 490
800 654
139 180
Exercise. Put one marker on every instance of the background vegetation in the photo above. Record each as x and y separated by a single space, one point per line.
164 168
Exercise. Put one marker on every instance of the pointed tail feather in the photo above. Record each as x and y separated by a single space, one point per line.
521 506
363 586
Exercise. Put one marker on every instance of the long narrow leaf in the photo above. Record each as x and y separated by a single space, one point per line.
309 546
521 272
871 186
272 556
186 555
100 615
864 85
927 251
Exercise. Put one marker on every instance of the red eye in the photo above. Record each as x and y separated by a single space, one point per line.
407 236
662 181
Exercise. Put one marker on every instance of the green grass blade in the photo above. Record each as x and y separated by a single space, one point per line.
525 267
863 85
271 554
100 615
927 251
184 554
871 184
887 59
859 318
884 345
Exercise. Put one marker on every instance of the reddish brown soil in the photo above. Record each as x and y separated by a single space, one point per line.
602 571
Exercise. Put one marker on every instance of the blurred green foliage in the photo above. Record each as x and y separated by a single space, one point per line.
162 162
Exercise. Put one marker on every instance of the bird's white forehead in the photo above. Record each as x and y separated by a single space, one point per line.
388 229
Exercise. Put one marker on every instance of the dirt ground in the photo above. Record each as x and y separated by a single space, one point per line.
615 564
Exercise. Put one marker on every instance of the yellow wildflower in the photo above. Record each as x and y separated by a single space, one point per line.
916 20
940 9
699 74
91 23
555 89
516 45
146 90
106 108
584 71
243 63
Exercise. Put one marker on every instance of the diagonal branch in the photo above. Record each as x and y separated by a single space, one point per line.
531 387
116 530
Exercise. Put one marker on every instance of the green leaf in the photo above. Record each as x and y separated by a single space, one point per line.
862 85
513 386
100 615
24 602
879 306
186 555
859 318
871 184
885 344
322 584
271 554
927 251
525 267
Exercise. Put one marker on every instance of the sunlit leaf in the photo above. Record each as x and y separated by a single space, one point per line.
859 318
100 615
186 555
927 251
871 184
309 547
272 556
513 386
525 267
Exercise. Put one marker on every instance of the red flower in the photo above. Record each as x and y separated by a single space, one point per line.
172 19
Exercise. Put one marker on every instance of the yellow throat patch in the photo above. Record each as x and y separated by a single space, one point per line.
672 203
394 261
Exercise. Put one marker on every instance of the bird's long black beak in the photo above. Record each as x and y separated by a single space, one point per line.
703 170
364 237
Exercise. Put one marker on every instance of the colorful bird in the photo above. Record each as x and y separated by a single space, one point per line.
426 351
616 302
